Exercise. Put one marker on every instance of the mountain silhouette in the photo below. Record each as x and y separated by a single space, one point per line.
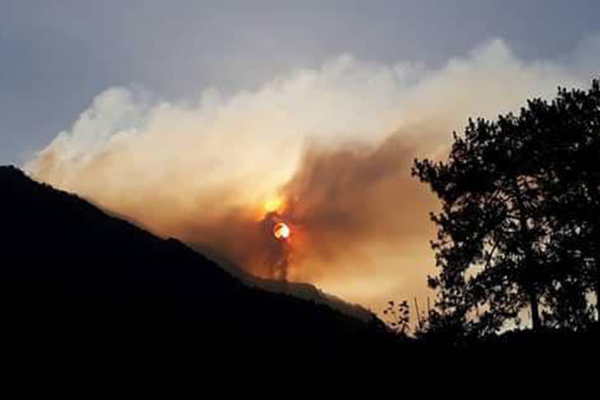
87 295
301 290
89 299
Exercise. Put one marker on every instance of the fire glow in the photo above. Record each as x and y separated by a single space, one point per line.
282 231
278 229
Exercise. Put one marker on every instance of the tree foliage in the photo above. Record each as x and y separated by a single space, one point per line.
519 227
397 316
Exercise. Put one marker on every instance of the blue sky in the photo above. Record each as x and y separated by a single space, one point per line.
55 56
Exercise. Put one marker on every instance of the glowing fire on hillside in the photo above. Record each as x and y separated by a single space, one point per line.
282 231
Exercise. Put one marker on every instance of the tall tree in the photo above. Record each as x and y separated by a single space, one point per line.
569 131
490 228
520 220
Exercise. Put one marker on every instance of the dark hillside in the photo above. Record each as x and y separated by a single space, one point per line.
82 292
89 299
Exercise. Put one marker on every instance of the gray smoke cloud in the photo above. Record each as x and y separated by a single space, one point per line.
328 151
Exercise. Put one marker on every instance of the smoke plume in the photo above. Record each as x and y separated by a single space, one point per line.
327 151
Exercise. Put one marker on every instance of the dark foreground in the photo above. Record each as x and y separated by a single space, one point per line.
88 299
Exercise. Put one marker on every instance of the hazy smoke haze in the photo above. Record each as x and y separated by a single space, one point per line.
335 144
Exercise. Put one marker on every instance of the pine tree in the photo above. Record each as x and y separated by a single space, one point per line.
490 232
520 219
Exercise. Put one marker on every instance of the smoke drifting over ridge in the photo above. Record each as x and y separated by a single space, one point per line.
334 144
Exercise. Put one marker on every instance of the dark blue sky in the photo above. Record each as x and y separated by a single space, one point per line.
55 56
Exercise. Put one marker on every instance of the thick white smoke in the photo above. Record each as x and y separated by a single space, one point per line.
202 170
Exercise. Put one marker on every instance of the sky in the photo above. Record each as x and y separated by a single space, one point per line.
188 117
55 56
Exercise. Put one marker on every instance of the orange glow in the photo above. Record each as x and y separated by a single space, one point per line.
281 231
273 205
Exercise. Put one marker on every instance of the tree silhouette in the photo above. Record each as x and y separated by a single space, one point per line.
568 130
397 316
520 219
489 235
